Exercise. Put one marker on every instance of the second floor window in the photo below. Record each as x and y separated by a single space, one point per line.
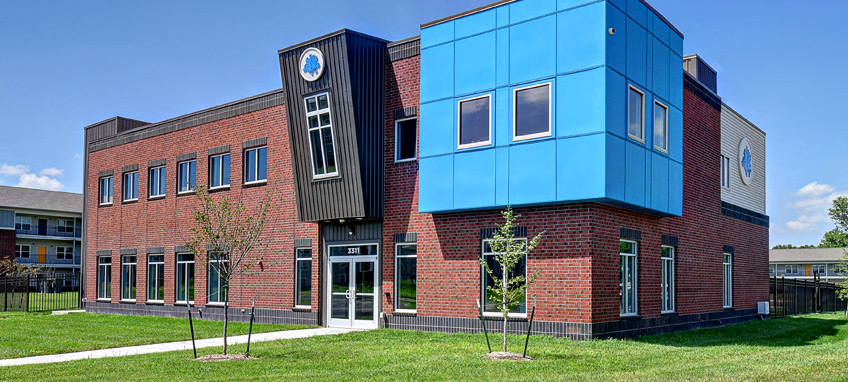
321 143
23 222
131 186
475 124
636 114
157 182
660 126
405 136
66 226
186 176
106 190
532 112
256 165
725 171
219 171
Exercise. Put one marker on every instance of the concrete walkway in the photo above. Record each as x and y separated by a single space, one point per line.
172 346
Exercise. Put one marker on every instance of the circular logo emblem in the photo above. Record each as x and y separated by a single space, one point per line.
311 64
745 167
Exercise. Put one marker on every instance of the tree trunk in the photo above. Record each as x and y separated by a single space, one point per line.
226 314
504 307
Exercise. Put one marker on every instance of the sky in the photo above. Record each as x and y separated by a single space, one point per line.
65 65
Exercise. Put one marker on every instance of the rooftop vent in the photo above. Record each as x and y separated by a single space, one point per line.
698 68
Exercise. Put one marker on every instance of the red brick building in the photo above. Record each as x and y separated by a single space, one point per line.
357 236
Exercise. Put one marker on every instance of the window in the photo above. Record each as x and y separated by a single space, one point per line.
321 143
627 253
667 282
106 190
128 265
303 288
104 277
66 226
728 280
186 176
406 269
790 269
157 182
22 251
819 269
217 292
23 223
532 112
488 281
65 253
219 171
725 171
660 126
636 114
405 139
475 122
771 269
185 278
131 186
255 165
156 278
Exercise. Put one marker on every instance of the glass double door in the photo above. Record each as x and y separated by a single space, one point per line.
353 286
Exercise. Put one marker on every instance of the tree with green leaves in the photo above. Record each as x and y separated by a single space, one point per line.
225 237
838 237
508 252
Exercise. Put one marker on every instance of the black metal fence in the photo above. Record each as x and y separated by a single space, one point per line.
791 296
40 293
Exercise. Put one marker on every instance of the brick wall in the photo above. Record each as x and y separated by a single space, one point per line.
7 244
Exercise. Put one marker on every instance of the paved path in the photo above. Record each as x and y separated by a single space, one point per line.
172 346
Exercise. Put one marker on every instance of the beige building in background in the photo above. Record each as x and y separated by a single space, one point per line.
803 264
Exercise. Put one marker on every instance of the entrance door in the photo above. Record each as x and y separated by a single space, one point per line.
42 227
353 286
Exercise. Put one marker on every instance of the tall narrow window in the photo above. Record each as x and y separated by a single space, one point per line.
185 278
491 299
186 176
532 112
475 126
157 182
106 190
303 290
727 267
636 114
104 277
22 251
627 253
217 292
256 165
660 126
219 171
131 186
406 270
321 144
128 266
667 281
725 171
405 139
156 278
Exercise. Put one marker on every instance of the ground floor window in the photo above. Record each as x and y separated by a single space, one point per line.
156 278
128 266
104 277
627 252
185 277
22 251
406 269
303 292
217 264
727 266
491 298
667 281
64 253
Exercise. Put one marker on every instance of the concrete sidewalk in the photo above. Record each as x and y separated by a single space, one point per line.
172 346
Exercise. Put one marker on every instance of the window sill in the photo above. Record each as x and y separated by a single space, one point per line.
156 197
403 312
635 138
215 304
127 301
729 308
103 300
104 205
302 308
474 145
183 303
631 316
517 316
219 188
402 161
669 313
530 137
129 201
184 193
257 183
155 302
662 150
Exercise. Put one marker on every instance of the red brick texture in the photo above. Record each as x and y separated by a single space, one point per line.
7 243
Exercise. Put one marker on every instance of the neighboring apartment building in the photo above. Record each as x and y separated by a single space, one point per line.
806 263
389 164
41 228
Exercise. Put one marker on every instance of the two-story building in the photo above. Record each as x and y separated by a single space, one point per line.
808 264
389 163
41 228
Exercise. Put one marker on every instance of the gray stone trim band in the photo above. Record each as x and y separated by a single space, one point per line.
128 251
156 163
186 156
155 250
105 173
409 237
219 150
302 242
181 249
104 252
254 142
132 167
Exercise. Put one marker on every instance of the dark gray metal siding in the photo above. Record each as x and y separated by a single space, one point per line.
338 232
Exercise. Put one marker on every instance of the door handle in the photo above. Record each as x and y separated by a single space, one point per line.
348 294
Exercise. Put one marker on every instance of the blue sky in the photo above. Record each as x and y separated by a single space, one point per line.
65 65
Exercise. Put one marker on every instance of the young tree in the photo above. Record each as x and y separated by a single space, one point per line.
508 253
224 238
842 270
11 268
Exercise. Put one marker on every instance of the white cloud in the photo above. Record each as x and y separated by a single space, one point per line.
17 169
40 182
811 204
52 171
77 156
46 179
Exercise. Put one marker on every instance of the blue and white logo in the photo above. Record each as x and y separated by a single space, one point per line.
311 64
745 161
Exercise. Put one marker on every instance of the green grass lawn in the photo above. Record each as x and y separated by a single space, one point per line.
30 334
809 348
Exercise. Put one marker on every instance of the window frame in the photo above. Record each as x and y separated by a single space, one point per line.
104 287
297 275
127 284
220 176
484 275
157 180
110 188
221 295
19 221
821 267
67 253
177 277
629 88
309 130
160 281
244 164
19 251
397 277
63 225
192 182
727 278
133 182
663 149
725 172
635 276
397 145
667 269
487 142
549 132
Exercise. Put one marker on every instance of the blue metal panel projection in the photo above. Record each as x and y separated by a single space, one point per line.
587 154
